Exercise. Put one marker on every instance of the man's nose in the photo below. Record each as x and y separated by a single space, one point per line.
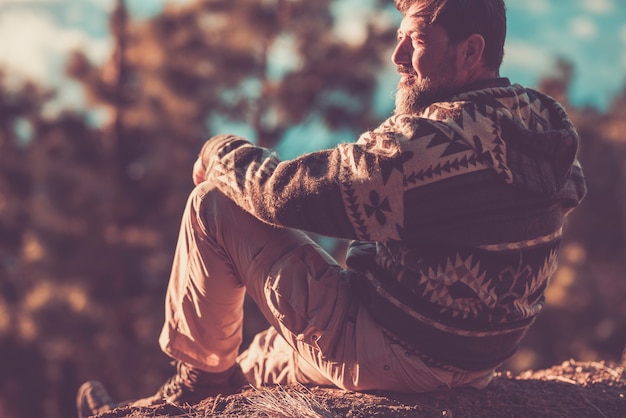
403 52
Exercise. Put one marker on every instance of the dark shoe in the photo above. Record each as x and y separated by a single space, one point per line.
187 386
93 399
190 385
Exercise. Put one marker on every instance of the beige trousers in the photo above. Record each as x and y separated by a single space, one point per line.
319 332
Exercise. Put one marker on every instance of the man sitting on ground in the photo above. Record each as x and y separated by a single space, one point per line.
455 205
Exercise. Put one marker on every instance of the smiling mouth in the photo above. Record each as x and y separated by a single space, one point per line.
407 79
406 75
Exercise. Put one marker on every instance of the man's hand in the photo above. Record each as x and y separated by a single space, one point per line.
199 172
210 147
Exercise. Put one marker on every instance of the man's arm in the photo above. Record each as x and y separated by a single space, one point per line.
311 192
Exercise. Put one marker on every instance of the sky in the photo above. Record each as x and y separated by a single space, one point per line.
36 37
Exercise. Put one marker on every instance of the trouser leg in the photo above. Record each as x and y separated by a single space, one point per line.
271 360
222 252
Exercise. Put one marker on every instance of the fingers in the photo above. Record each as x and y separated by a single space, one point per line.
199 173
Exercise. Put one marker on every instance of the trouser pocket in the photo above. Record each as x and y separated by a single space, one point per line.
302 294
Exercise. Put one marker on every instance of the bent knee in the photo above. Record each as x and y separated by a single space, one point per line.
207 196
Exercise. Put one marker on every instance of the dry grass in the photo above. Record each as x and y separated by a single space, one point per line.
287 403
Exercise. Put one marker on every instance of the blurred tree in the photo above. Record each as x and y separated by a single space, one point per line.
19 109
50 196
585 313
108 186
18 114
265 64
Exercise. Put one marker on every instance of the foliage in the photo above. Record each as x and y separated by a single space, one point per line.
90 203
584 317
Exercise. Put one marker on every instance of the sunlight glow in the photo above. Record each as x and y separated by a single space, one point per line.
40 52
574 253
535 6
521 54
5 318
583 27
32 249
44 293
39 296
557 294
27 328
600 7
350 21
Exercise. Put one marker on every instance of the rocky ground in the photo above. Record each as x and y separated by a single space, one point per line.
572 389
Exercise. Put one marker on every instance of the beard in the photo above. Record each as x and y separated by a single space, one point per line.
414 95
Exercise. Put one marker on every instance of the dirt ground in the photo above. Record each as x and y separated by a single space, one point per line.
572 389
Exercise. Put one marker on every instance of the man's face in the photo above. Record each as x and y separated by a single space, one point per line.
426 62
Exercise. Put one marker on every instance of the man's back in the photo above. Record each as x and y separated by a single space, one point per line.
487 179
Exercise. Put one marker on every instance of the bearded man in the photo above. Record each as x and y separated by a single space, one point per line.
455 205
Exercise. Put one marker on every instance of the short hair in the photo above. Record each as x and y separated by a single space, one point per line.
462 18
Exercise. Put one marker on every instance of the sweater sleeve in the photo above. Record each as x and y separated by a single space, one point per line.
312 192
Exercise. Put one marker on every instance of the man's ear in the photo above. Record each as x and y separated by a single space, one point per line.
472 50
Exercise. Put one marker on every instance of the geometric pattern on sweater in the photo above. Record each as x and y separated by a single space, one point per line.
459 285
357 190
448 139
468 291
379 200
509 246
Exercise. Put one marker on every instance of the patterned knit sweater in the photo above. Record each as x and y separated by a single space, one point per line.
456 214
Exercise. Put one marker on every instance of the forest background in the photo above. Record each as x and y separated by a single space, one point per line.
95 168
